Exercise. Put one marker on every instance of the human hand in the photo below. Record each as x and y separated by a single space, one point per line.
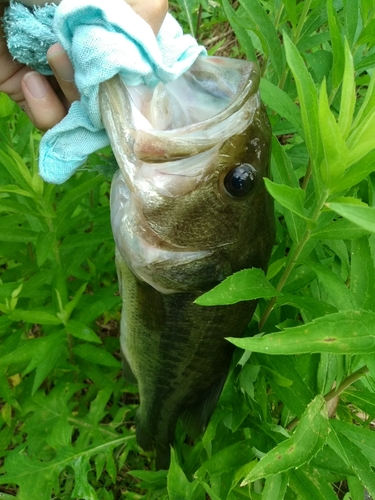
46 100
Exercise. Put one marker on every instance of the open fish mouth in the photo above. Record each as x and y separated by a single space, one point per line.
182 118
168 145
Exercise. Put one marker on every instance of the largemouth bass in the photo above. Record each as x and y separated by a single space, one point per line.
188 208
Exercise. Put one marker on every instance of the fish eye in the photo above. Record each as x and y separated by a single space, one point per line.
240 181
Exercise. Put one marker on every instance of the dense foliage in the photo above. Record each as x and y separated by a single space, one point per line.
295 417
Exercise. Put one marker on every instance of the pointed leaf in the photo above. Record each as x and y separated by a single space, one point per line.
309 437
179 487
355 459
337 45
308 487
341 229
96 355
279 101
259 22
81 331
348 94
308 100
362 280
361 215
291 198
363 438
344 332
334 147
248 284
275 487
364 400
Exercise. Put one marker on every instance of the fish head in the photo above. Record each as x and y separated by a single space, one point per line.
189 204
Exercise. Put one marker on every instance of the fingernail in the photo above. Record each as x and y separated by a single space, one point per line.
36 85
60 63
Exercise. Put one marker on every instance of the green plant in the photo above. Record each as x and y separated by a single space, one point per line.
294 419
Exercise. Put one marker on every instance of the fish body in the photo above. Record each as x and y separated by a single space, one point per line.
189 208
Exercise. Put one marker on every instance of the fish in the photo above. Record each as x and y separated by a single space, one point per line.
189 208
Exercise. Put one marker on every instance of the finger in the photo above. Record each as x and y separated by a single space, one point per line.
31 3
63 71
43 106
152 12
11 72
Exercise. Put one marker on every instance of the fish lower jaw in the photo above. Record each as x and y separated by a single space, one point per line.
157 267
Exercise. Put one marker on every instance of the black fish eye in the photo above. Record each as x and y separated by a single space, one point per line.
240 181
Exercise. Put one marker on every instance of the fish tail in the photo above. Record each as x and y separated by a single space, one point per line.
196 416
156 434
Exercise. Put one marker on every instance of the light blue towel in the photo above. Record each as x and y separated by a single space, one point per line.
103 38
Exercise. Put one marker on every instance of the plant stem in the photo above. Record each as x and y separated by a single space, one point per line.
336 392
307 175
293 259
199 20
346 383
301 21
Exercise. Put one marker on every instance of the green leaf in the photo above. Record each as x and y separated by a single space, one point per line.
363 438
37 317
356 173
72 304
96 308
95 355
81 331
356 489
334 147
312 307
229 458
351 17
309 437
354 458
44 246
16 168
339 294
344 332
327 372
275 487
7 107
362 280
85 239
337 46
341 229
45 358
348 94
360 140
364 400
367 35
291 198
361 215
367 106
308 102
40 477
248 284
179 488
308 487
82 488
260 23
329 460
279 101
74 196
240 31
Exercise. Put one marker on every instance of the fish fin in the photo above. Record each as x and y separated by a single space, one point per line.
127 372
196 416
